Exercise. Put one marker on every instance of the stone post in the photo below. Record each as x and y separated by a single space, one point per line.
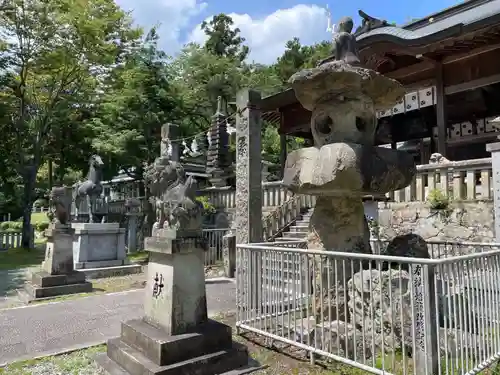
248 219
424 319
132 206
218 151
494 148
229 254
170 138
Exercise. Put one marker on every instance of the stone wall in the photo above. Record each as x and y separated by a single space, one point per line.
463 221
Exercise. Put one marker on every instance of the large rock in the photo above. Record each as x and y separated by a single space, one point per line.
336 337
347 169
379 304
407 245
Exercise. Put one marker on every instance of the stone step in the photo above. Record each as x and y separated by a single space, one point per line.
279 239
302 223
299 228
294 235
133 361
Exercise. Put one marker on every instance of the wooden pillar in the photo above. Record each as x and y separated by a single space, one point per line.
283 153
441 118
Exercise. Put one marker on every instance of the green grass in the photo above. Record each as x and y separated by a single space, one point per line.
138 257
39 217
75 363
21 258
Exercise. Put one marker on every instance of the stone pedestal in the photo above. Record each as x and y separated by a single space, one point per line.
175 336
99 250
57 276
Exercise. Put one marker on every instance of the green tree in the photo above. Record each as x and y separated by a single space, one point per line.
202 76
223 38
57 51
138 101
298 56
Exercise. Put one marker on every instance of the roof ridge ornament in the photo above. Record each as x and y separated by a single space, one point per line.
369 23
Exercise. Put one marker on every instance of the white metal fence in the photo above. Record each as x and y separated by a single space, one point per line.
381 314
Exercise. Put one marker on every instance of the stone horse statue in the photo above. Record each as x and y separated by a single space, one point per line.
91 189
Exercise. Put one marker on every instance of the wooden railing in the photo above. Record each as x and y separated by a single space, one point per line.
466 180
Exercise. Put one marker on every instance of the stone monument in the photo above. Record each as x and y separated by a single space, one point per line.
175 335
57 276
98 247
344 163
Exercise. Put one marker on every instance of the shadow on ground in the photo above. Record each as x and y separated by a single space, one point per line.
10 280
15 265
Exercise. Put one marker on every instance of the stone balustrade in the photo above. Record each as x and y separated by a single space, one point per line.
273 194
460 180
466 180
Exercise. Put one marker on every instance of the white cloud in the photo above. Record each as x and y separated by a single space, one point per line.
267 36
172 15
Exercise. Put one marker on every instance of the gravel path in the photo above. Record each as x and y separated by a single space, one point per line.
26 332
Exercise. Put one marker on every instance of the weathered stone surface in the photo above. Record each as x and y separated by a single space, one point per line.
339 79
59 250
463 222
96 242
248 218
336 337
347 169
379 304
175 299
337 224
61 198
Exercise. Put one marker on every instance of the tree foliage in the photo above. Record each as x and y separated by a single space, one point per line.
76 78
53 52
223 38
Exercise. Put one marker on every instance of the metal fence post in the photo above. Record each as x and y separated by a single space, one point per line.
426 340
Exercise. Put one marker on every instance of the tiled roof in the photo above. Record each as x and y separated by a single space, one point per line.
476 12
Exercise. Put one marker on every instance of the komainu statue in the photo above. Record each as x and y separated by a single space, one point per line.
437 158
173 196
60 199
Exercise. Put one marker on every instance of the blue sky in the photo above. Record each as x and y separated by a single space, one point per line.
267 25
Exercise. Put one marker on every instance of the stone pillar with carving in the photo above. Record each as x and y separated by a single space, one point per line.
218 151
170 144
175 334
248 218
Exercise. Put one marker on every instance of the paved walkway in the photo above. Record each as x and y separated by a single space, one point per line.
27 332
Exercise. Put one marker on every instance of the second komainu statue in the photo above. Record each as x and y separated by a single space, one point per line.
173 196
